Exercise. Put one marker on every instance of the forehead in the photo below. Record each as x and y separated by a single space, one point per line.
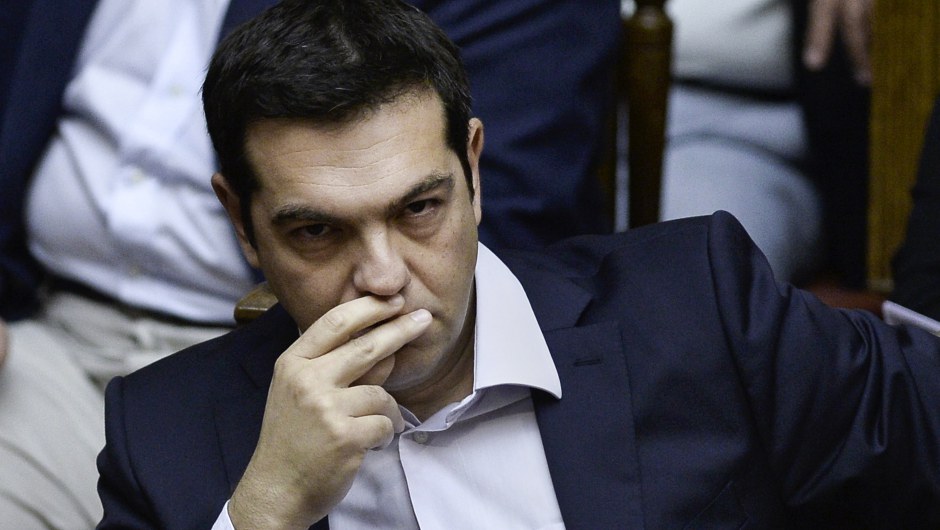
398 141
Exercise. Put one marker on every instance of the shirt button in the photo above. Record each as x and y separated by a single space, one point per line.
421 437
137 175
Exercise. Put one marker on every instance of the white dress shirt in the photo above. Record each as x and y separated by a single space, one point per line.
478 463
745 43
121 199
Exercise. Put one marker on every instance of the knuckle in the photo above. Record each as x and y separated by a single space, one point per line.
348 434
310 396
377 394
334 321
386 426
285 372
339 432
364 344
381 430
280 366
303 394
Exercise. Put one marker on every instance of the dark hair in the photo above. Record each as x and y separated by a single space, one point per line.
330 62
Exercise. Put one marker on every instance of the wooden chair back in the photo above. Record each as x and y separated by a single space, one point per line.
644 89
905 82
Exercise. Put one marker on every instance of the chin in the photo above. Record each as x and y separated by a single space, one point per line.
402 378
410 372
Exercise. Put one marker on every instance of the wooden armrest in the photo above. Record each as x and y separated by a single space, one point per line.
254 304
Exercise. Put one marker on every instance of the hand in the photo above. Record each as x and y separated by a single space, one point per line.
850 18
4 342
324 411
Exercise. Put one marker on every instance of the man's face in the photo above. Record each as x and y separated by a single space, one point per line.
376 207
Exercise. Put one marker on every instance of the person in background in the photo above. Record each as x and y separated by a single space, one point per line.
410 377
737 130
831 43
113 249
113 252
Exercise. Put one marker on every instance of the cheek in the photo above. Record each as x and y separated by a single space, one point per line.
305 290
452 268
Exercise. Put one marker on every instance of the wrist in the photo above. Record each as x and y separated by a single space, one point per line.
263 507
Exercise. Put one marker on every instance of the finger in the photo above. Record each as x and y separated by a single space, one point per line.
352 360
339 324
820 32
370 400
373 432
857 36
378 373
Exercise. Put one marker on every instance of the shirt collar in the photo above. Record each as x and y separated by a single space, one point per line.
510 348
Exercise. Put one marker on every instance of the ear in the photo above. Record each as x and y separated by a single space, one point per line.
474 150
232 204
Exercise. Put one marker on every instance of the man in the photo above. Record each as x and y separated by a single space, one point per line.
113 248
409 378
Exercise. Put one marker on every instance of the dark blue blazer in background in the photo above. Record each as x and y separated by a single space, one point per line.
697 393
539 70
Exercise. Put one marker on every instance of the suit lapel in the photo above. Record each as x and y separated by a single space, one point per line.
239 405
239 409
588 435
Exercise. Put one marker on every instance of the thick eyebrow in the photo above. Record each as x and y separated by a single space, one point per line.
293 213
429 183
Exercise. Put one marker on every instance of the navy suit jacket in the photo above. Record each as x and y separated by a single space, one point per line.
697 393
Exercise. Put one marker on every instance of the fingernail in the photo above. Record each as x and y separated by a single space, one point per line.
396 299
812 59
421 315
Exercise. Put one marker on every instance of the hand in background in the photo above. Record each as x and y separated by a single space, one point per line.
851 19
325 409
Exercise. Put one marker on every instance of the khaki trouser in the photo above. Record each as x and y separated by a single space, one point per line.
52 404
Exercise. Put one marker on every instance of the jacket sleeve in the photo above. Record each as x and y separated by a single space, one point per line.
847 407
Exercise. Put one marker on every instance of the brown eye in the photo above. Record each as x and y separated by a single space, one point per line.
417 207
422 207
314 231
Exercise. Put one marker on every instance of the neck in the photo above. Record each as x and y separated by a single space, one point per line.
456 384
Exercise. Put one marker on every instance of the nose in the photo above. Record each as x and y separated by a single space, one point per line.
381 269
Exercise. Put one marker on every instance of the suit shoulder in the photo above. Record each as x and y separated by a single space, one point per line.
661 244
